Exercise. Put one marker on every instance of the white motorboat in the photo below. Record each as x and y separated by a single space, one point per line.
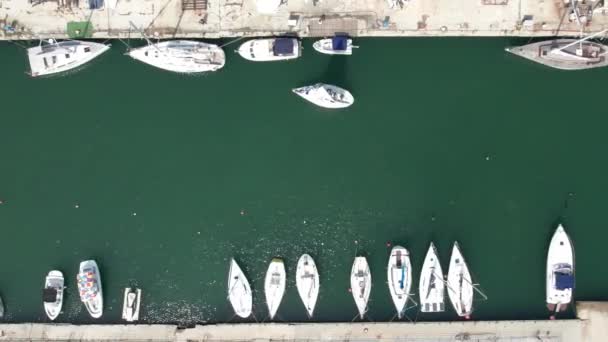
560 271
460 286
270 49
431 287
52 57
340 44
274 285
326 95
361 284
52 294
130 304
89 286
182 56
239 291
399 274
307 282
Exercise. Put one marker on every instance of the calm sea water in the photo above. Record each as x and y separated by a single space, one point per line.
449 139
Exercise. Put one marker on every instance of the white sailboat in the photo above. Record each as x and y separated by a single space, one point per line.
52 294
182 56
270 49
326 95
52 57
340 44
431 287
399 274
307 282
361 284
89 287
560 271
460 286
274 285
239 291
130 304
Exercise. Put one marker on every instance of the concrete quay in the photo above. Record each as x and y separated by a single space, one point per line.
37 19
590 326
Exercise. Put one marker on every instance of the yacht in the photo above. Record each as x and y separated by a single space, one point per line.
326 95
431 286
307 282
361 284
52 294
89 287
181 56
270 49
239 291
459 284
560 271
274 285
53 57
340 44
399 274
130 304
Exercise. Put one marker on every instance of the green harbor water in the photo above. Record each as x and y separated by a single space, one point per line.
162 178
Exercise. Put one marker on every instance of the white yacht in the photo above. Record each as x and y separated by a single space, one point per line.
52 294
431 287
89 286
560 271
274 285
565 54
361 284
307 282
53 57
130 304
182 56
326 95
340 44
399 274
270 49
239 291
459 284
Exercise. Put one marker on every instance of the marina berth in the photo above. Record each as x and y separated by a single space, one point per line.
52 294
459 284
326 95
307 283
431 286
340 44
239 291
399 274
270 49
361 284
53 57
181 56
560 271
89 287
274 285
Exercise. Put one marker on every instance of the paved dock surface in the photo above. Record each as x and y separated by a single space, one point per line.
591 326
34 19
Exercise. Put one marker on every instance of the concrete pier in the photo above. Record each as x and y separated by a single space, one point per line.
590 326
33 19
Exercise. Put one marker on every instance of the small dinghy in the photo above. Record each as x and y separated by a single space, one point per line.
361 284
239 291
53 57
460 286
182 56
270 49
89 287
274 285
130 304
52 294
431 287
560 271
399 277
307 282
340 44
326 95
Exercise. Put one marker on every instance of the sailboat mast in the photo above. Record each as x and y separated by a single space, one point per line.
580 40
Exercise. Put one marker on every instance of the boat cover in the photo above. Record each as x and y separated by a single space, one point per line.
95 4
283 46
339 43
87 286
563 281
49 295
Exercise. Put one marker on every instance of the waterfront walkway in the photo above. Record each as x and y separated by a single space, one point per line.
590 326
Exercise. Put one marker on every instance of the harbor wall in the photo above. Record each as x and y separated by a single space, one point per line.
590 326
41 19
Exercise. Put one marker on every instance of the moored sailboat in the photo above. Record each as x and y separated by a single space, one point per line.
181 56
399 274
53 57
361 284
274 285
239 291
560 271
431 287
307 282
459 284
326 95
52 294
89 287
131 303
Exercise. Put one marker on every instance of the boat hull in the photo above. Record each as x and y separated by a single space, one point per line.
131 304
540 52
399 275
181 56
560 259
459 284
54 280
307 283
326 95
274 285
325 46
239 291
94 305
261 50
431 286
361 284
46 60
